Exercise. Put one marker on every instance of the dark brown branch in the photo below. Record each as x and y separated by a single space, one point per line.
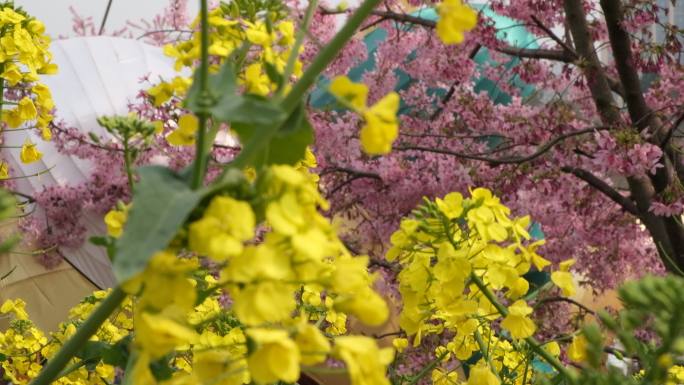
672 129
555 37
384 264
510 160
624 63
565 299
401 17
592 180
404 18
537 53
390 334
452 89
596 80
350 171
29 198
354 175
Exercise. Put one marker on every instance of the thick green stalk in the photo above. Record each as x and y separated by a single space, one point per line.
531 341
203 114
57 363
327 55
294 97
294 54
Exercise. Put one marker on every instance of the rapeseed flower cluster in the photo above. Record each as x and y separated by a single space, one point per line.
24 55
449 246
271 45
291 285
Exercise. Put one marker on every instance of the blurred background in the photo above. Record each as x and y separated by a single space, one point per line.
57 16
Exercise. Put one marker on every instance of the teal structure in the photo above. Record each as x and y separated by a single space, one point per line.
509 30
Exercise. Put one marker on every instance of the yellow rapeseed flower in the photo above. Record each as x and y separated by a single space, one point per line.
115 221
4 170
184 135
563 278
577 351
455 18
365 362
348 92
312 344
382 126
29 152
517 322
276 357
480 374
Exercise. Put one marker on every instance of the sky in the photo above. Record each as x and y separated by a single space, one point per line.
57 18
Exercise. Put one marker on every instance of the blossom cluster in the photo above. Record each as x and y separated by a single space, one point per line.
23 57
290 289
461 257
271 42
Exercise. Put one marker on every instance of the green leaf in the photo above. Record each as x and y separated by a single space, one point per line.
288 145
227 105
117 354
290 142
273 74
161 370
161 203
107 242
92 351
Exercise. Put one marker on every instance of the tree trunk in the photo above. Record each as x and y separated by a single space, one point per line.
667 232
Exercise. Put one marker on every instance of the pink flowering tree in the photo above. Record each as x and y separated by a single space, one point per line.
592 155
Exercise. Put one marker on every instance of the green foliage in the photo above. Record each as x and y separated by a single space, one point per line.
8 208
251 9
288 144
225 104
652 305
126 126
161 203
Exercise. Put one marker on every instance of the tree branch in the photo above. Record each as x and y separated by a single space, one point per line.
626 203
350 171
354 175
565 299
401 17
537 53
510 160
555 37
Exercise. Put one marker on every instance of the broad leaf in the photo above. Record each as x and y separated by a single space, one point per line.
289 143
161 203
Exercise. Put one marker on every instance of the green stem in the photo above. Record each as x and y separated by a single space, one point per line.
294 97
2 90
294 54
127 164
203 113
423 372
485 352
57 363
531 341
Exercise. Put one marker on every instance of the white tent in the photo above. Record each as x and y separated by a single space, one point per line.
97 76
